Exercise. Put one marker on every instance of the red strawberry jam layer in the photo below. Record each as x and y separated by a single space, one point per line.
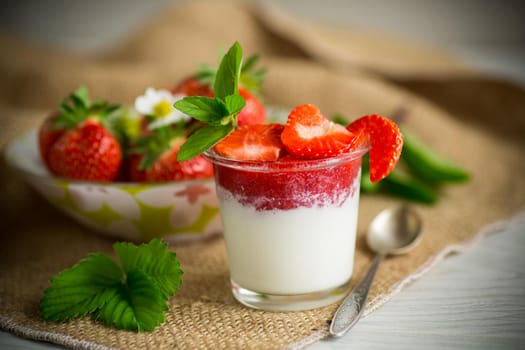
289 183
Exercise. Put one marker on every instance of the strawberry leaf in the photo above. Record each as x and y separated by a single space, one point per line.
82 289
228 74
155 260
133 297
206 109
137 305
202 140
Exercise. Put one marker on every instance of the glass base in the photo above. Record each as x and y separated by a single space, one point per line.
296 302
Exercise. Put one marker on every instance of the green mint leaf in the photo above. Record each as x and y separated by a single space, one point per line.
202 140
234 103
156 260
228 74
137 305
206 109
81 289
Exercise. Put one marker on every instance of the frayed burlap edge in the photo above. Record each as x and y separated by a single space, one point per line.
9 325
57 338
381 299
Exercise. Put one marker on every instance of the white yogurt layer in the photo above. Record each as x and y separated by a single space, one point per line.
292 251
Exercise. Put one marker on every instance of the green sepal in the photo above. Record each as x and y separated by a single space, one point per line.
78 107
252 79
153 145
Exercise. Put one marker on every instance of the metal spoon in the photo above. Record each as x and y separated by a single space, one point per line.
393 231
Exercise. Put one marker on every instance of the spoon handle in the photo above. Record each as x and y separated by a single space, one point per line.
353 305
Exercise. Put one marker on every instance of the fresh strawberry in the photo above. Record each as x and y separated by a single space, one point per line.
154 159
132 168
253 112
193 87
386 143
88 152
47 136
76 143
261 142
310 135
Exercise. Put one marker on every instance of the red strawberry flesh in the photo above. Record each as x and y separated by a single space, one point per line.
259 142
310 135
253 112
386 143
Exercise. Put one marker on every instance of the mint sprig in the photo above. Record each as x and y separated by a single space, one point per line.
132 295
219 112
251 78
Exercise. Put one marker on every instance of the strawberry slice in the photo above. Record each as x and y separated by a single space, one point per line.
310 135
261 142
386 143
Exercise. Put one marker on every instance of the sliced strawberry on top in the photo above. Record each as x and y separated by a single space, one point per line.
261 142
386 143
309 134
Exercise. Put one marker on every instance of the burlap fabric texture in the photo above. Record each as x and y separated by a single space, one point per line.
476 121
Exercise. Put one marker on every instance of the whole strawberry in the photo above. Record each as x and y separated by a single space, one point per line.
48 134
85 148
154 159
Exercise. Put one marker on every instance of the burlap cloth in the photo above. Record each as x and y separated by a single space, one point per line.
477 121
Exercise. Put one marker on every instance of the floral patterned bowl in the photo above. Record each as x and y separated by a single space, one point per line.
174 211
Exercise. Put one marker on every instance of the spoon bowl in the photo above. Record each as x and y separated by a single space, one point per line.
393 231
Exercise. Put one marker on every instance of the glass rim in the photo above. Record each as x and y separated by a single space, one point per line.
288 165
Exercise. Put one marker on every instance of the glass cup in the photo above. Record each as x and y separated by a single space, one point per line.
289 228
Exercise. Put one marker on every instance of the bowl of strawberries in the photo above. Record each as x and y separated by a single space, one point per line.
115 168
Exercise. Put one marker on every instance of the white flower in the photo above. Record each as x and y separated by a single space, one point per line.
159 104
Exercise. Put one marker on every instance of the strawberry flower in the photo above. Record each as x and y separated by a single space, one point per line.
158 104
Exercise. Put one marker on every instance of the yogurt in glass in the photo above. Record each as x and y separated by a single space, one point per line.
289 228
